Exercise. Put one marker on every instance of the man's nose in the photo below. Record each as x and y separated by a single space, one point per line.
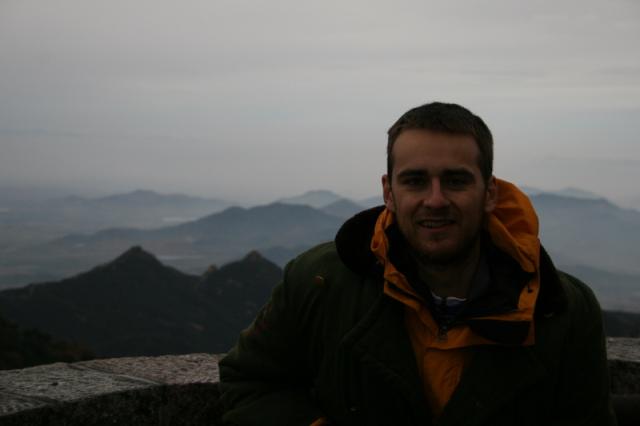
434 197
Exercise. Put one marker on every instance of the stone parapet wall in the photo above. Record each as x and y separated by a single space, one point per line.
183 390
624 365
164 390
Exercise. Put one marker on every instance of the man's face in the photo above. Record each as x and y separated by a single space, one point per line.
437 193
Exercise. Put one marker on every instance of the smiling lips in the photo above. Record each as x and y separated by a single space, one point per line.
436 223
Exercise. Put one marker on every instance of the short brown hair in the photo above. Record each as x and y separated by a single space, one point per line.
447 118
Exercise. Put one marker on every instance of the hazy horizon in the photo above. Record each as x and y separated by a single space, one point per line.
44 193
254 101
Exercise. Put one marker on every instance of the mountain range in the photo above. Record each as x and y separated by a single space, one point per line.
585 234
25 222
591 232
134 305
219 237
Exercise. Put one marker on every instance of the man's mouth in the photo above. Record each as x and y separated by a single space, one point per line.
436 223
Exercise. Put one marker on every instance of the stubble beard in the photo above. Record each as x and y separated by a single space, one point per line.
459 256
465 252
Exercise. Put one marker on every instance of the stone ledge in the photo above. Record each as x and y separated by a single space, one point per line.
165 390
183 390
624 365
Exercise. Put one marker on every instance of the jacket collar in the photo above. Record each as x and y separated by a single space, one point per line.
353 242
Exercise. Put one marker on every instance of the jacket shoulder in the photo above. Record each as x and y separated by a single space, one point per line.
322 256
579 320
320 278
581 301
322 267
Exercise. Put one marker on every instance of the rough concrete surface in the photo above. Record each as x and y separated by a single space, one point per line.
168 369
624 365
165 390
10 404
623 349
64 382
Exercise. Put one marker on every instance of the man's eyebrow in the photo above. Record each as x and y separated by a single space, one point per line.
412 172
459 171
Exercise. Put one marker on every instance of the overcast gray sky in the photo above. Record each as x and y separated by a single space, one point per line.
253 100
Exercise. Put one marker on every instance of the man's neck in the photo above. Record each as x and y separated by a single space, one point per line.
452 279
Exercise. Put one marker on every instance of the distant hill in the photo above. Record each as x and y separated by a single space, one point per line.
591 232
343 208
565 192
316 198
191 246
331 203
615 291
241 288
135 305
28 222
271 224
140 208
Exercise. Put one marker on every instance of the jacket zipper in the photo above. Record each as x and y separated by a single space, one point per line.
442 333
444 327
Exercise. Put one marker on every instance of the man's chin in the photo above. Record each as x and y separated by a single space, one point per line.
445 255
439 258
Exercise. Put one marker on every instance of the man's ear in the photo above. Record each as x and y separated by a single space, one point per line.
387 195
491 196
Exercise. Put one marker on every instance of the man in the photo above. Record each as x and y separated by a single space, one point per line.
440 308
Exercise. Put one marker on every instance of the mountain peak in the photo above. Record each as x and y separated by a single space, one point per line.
139 191
567 200
136 254
316 198
132 195
568 192
253 256
343 207
253 264
212 269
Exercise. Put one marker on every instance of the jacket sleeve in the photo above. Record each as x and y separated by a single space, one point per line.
583 397
266 378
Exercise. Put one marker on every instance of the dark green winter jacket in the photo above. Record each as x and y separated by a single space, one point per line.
330 344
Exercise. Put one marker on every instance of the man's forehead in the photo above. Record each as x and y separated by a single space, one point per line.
420 137
422 149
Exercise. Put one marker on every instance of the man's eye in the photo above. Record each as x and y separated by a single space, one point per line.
456 182
413 181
